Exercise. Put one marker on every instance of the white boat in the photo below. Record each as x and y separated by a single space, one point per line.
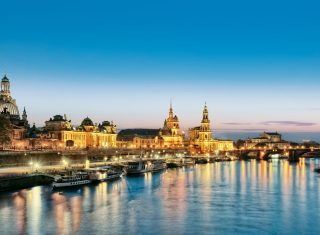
103 174
77 179
143 166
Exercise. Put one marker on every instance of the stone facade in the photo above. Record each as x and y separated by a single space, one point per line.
267 140
87 135
201 138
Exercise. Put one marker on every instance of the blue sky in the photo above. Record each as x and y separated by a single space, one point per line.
256 63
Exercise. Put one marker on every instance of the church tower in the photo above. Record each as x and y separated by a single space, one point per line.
205 133
172 122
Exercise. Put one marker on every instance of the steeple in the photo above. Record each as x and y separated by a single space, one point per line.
24 114
171 109
205 116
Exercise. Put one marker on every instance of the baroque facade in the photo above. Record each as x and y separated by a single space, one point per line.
201 138
170 132
87 135
169 136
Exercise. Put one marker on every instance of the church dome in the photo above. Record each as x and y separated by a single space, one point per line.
105 123
87 122
10 107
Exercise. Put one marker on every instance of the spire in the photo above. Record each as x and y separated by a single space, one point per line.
24 114
171 110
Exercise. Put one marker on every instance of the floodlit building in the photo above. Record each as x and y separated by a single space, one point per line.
87 135
267 140
169 136
201 138
10 110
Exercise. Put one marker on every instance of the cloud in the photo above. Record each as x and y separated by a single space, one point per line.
235 123
288 123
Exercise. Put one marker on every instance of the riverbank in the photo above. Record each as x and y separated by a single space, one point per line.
23 181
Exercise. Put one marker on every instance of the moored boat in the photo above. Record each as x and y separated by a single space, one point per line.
106 173
76 179
201 161
143 166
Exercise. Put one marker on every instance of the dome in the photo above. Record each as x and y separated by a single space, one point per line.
87 122
5 79
11 108
105 123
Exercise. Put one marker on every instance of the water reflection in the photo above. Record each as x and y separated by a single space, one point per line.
244 197
19 200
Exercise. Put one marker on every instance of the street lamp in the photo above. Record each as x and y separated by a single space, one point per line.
31 165
65 163
36 165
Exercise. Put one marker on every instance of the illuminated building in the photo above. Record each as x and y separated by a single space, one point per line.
201 140
267 140
170 133
139 138
169 136
9 110
87 135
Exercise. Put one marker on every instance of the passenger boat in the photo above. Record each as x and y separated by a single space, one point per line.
201 161
106 173
76 179
174 163
188 161
143 166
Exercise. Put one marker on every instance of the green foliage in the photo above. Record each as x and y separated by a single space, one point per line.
5 131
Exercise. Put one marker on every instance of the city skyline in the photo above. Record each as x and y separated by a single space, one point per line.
270 125
255 64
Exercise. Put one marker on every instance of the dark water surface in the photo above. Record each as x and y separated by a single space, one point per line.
241 197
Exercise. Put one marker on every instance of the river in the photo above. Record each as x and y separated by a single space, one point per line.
240 197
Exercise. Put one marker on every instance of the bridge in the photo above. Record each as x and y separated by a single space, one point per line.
292 154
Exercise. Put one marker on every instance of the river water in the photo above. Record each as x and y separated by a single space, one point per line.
240 197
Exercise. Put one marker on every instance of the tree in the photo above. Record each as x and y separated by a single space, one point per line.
5 131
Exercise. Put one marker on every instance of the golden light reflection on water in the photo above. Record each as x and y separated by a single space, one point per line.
19 200
101 194
173 192
34 209
59 211
76 213
243 170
